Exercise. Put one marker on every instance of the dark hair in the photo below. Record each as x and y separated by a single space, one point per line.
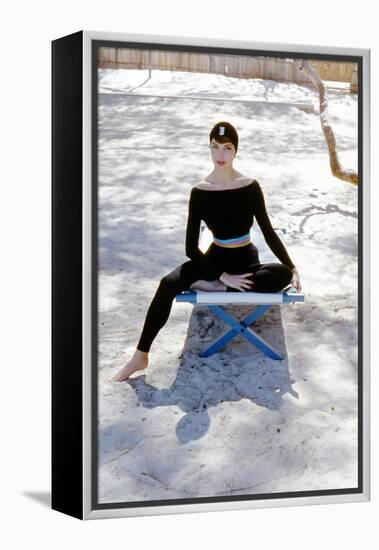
223 132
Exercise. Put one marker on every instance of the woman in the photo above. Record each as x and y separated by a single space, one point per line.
227 201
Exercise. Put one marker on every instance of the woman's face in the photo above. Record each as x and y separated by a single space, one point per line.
222 153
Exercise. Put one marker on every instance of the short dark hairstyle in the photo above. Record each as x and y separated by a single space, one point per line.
223 132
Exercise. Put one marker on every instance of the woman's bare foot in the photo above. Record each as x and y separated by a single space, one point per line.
138 362
210 286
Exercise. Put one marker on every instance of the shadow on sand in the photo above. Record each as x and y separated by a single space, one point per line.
238 372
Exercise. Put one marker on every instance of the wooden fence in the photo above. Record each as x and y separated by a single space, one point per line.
239 66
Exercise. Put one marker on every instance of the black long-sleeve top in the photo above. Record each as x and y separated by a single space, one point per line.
229 213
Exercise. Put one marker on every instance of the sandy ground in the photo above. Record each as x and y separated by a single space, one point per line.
237 422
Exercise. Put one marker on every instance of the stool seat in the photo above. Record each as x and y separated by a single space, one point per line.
285 296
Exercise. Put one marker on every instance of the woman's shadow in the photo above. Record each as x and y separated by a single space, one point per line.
239 371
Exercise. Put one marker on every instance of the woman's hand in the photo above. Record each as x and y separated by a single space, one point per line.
295 281
240 282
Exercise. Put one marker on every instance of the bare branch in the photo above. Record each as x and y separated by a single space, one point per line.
337 170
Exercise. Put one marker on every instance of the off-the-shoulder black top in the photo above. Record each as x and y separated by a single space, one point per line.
230 213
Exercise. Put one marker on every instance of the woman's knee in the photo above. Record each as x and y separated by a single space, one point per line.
276 267
284 273
281 272
287 273
180 278
170 284
166 282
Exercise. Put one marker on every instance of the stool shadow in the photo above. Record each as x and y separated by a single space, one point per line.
238 372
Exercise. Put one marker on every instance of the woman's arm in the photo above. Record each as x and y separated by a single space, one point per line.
269 234
192 239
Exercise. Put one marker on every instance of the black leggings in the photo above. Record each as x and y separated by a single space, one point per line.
270 277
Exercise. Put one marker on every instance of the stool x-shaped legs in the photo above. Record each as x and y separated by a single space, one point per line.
263 302
242 328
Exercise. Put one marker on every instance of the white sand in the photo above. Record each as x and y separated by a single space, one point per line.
236 422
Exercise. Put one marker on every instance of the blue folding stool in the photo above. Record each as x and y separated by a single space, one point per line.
262 300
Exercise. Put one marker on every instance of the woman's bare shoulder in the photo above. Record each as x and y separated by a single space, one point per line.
203 185
238 182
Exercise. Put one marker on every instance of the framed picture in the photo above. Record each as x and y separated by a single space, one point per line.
210 274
